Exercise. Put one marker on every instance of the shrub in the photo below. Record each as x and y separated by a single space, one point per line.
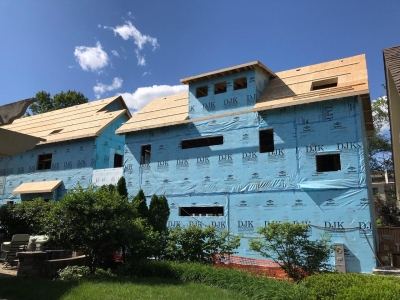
158 213
252 286
78 272
289 246
139 202
350 286
25 217
195 244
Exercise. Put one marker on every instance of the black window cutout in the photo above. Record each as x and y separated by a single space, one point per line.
145 154
324 84
201 91
10 202
213 211
44 161
118 160
240 83
220 87
202 142
266 137
328 162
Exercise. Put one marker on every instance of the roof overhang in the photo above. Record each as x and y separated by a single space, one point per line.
13 142
227 71
15 110
37 187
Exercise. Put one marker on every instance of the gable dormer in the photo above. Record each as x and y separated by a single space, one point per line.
231 89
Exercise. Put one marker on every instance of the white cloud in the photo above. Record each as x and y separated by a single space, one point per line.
91 58
130 15
143 95
100 88
115 53
128 31
98 26
141 61
146 73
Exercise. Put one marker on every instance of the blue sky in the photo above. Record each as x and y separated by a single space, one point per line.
142 49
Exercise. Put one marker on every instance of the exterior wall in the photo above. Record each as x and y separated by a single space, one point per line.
256 188
230 101
394 111
73 162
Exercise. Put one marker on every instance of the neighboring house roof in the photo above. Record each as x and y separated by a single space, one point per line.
391 57
10 112
286 88
80 121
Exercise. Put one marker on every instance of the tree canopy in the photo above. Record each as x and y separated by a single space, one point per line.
45 103
380 149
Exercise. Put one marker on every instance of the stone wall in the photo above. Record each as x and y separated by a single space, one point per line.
34 264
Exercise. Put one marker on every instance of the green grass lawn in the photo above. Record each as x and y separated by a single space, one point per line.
133 288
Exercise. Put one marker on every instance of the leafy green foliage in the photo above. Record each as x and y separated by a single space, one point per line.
94 221
121 187
196 244
140 202
252 286
380 150
25 217
387 210
158 213
289 246
83 272
44 102
352 286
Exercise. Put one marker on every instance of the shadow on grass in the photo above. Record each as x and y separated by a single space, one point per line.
44 289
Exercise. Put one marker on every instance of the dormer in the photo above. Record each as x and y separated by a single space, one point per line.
231 89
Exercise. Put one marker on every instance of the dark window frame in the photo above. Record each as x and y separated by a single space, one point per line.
145 154
240 83
202 91
44 161
118 160
328 162
203 211
206 141
266 140
220 87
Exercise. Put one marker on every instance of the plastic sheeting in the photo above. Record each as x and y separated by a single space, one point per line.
255 188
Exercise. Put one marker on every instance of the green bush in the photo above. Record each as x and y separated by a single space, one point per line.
196 244
350 286
255 287
78 272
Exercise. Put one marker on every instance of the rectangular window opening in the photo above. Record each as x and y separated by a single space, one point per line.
10 202
328 162
210 211
202 142
145 154
324 84
118 160
44 161
201 91
240 83
266 137
220 88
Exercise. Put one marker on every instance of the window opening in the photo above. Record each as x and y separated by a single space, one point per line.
145 154
118 160
211 211
324 84
44 161
10 202
328 162
266 137
201 91
240 83
202 142
56 131
220 88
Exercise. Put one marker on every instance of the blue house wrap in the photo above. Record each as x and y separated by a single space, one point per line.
80 148
246 147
